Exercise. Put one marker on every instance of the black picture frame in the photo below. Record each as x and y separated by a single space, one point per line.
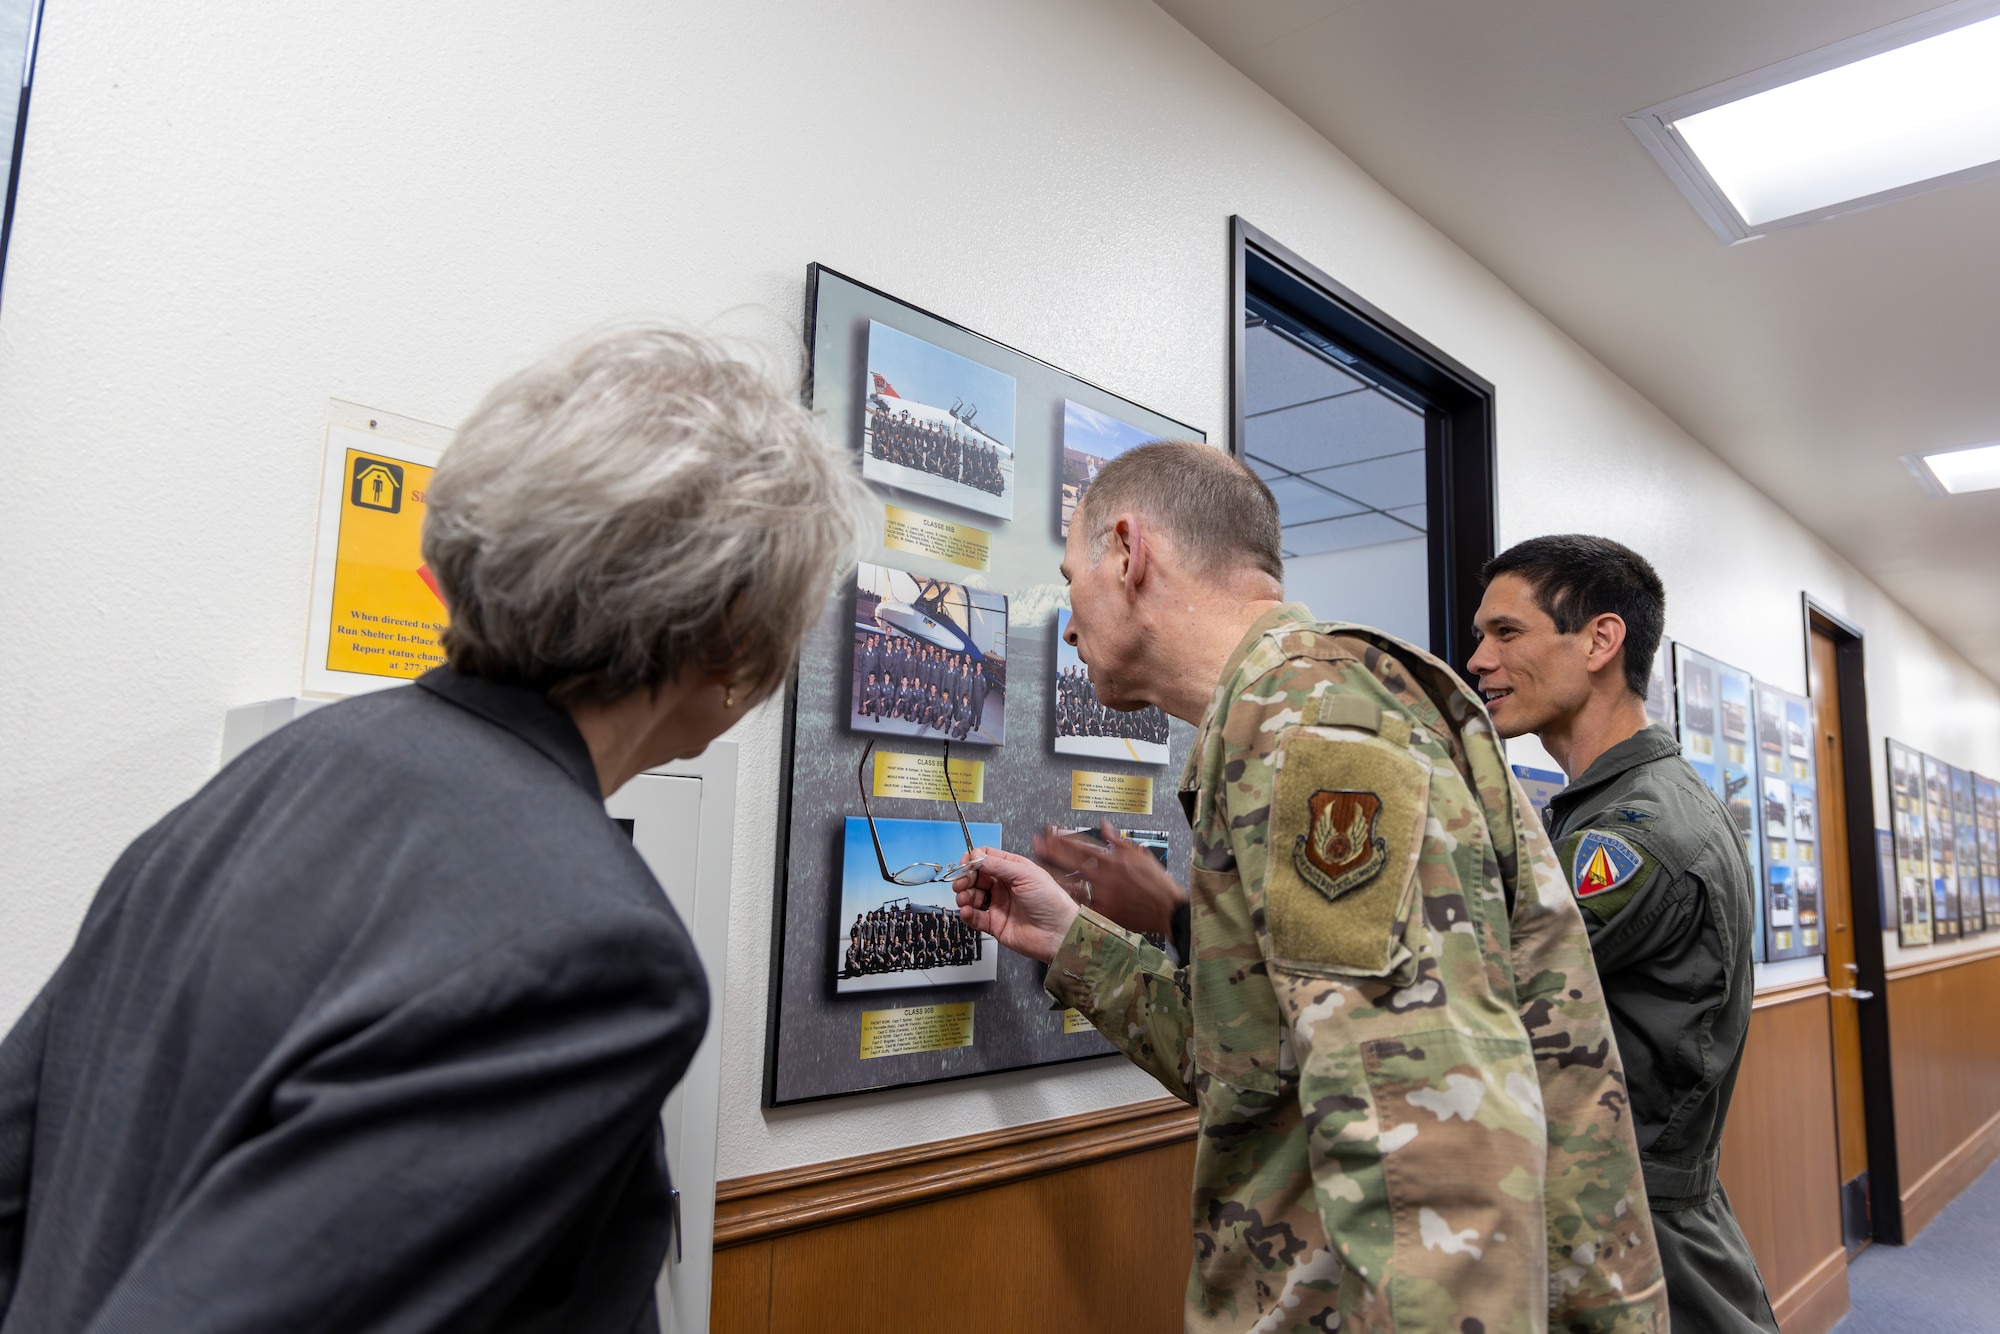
802 1004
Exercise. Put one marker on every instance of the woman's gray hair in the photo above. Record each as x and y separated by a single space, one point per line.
635 506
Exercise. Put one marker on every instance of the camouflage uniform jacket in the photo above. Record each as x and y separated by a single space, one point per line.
1412 1115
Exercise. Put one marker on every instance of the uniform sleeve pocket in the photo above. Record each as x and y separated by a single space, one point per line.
1464 1154
1347 825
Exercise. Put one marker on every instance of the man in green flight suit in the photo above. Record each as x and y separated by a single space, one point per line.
1568 629
1412 1115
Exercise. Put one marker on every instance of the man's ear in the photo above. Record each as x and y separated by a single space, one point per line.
1606 641
1130 542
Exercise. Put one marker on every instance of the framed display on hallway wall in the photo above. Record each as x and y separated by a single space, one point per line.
934 690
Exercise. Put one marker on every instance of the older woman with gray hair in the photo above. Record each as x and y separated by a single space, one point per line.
374 1030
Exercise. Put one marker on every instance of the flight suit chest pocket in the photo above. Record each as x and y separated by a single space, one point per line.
1348 814
1238 1033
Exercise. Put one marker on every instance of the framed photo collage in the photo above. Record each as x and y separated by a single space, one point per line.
1944 849
937 707
1752 744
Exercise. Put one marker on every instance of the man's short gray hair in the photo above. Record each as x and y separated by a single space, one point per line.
1217 513
637 505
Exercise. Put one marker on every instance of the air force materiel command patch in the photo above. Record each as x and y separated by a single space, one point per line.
1344 832
1340 851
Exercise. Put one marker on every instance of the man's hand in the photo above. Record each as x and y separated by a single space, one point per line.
1015 901
1116 877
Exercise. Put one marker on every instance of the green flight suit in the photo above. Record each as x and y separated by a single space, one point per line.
1412 1116
1660 872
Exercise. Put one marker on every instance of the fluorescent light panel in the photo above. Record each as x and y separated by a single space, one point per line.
1913 114
1963 470
1882 115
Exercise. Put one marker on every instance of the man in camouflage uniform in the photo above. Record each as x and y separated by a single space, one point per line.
1412 1115
1569 626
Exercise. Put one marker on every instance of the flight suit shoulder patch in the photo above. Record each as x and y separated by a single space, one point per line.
1347 825
1605 870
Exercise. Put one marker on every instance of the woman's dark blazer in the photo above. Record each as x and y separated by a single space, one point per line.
370 1034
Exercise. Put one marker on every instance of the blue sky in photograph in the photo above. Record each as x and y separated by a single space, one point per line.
862 888
930 375
1065 655
1088 431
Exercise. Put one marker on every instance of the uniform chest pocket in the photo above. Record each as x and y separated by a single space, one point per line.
1348 814
1238 1028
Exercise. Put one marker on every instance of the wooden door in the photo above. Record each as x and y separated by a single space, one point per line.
1842 967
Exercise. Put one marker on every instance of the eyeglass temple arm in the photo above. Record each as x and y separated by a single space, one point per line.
963 827
861 779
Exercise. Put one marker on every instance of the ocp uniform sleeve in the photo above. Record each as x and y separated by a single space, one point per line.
1416 1082
1130 990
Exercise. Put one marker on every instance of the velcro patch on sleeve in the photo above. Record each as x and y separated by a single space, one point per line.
1605 870
1347 824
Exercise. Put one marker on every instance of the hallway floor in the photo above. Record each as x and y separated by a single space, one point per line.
1948 1279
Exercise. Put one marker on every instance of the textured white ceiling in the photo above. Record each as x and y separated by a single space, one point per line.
1809 359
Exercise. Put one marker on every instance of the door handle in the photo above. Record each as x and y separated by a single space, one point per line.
1855 994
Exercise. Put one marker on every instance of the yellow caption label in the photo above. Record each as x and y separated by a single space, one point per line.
1774 764
1120 794
922 777
1074 1022
928 535
1777 851
915 1028
386 615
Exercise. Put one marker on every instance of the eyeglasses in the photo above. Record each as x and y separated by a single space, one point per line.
918 873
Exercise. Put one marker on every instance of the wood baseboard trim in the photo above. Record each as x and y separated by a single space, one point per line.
753 1208
1902 971
1815 1303
1925 1198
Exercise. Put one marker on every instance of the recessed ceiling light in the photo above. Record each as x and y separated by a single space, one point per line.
1958 471
1888 114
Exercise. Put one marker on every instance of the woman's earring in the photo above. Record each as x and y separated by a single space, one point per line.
729 697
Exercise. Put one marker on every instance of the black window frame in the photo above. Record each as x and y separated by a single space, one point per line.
1459 456
13 184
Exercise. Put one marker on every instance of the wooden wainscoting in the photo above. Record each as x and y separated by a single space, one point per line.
1945 1049
1077 1223
1780 1158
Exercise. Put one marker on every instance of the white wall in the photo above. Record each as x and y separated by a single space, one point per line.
229 216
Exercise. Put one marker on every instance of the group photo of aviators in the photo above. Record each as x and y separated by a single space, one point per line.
934 689
1078 714
895 436
903 936
883 939
1085 726
937 424
929 658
